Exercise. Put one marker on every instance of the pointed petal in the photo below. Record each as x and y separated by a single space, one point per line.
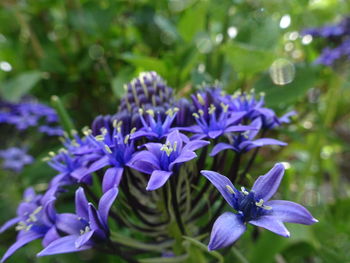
62 245
266 185
248 145
271 223
154 148
175 136
50 236
112 178
235 117
195 145
215 134
83 239
95 220
226 230
99 164
9 224
185 156
239 128
69 223
22 241
257 123
143 133
81 203
222 183
220 147
105 204
158 179
291 212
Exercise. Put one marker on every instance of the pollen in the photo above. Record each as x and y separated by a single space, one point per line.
200 99
244 191
229 189
212 109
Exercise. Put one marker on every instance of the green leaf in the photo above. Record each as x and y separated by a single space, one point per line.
283 95
14 89
192 21
246 59
128 241
165 260
146 63
204 248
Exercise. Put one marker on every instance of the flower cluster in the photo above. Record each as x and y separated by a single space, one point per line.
151 152
15 159
338 39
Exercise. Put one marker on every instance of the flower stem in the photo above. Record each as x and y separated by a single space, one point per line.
175 205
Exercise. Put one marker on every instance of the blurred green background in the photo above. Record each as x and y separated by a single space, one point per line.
84 51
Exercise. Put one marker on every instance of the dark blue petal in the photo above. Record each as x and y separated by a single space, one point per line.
81 203
95 219
184 156
222 183
62 245
69 223
27 237
9 224
195 145
99 164
266 186
112 178
291 212
158 179
226 230
83 239
105 204
220 147
50 236
271 223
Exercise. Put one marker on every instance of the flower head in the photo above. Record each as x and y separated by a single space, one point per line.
35 219
254 207
15 159
162 160
85 228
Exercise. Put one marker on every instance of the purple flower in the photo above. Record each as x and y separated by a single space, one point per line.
217 123
117 152
155 128
87 227
161 160
51 131
254 207
35 219
244 142
15 159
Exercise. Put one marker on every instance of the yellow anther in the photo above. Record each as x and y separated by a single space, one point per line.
133 130
74 132
52 154
244 191
260 203
115 123
86 131
100 137
262 94
175 146
141 111
211 109
46 159
200 99
108 149
229 189
84 231
126 139
195 115
176 109
74 143
224 106
201 112
150 112
62 150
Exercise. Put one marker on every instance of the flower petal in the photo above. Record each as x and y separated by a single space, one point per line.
266 186
175 136
184 156
222 183
99 164
81 203
248 145
105 204
112 178
220 147
195 145
83 239
226 230
291 212
158 179
271 223
62 245
50 236
23 240
9 224
69 223
239 128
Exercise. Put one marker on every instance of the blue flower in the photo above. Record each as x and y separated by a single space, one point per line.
254 207
161 160
87 227
155 128
15 159
218 122
35 219
244 142
117 152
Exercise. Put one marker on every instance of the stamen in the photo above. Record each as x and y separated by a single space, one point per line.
229 189
175 146
150 112
100 137
195 115
224 107
108 149
126 139
52 154
212 109
176 109
244 191
200 99
260 204
133 130
201 112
